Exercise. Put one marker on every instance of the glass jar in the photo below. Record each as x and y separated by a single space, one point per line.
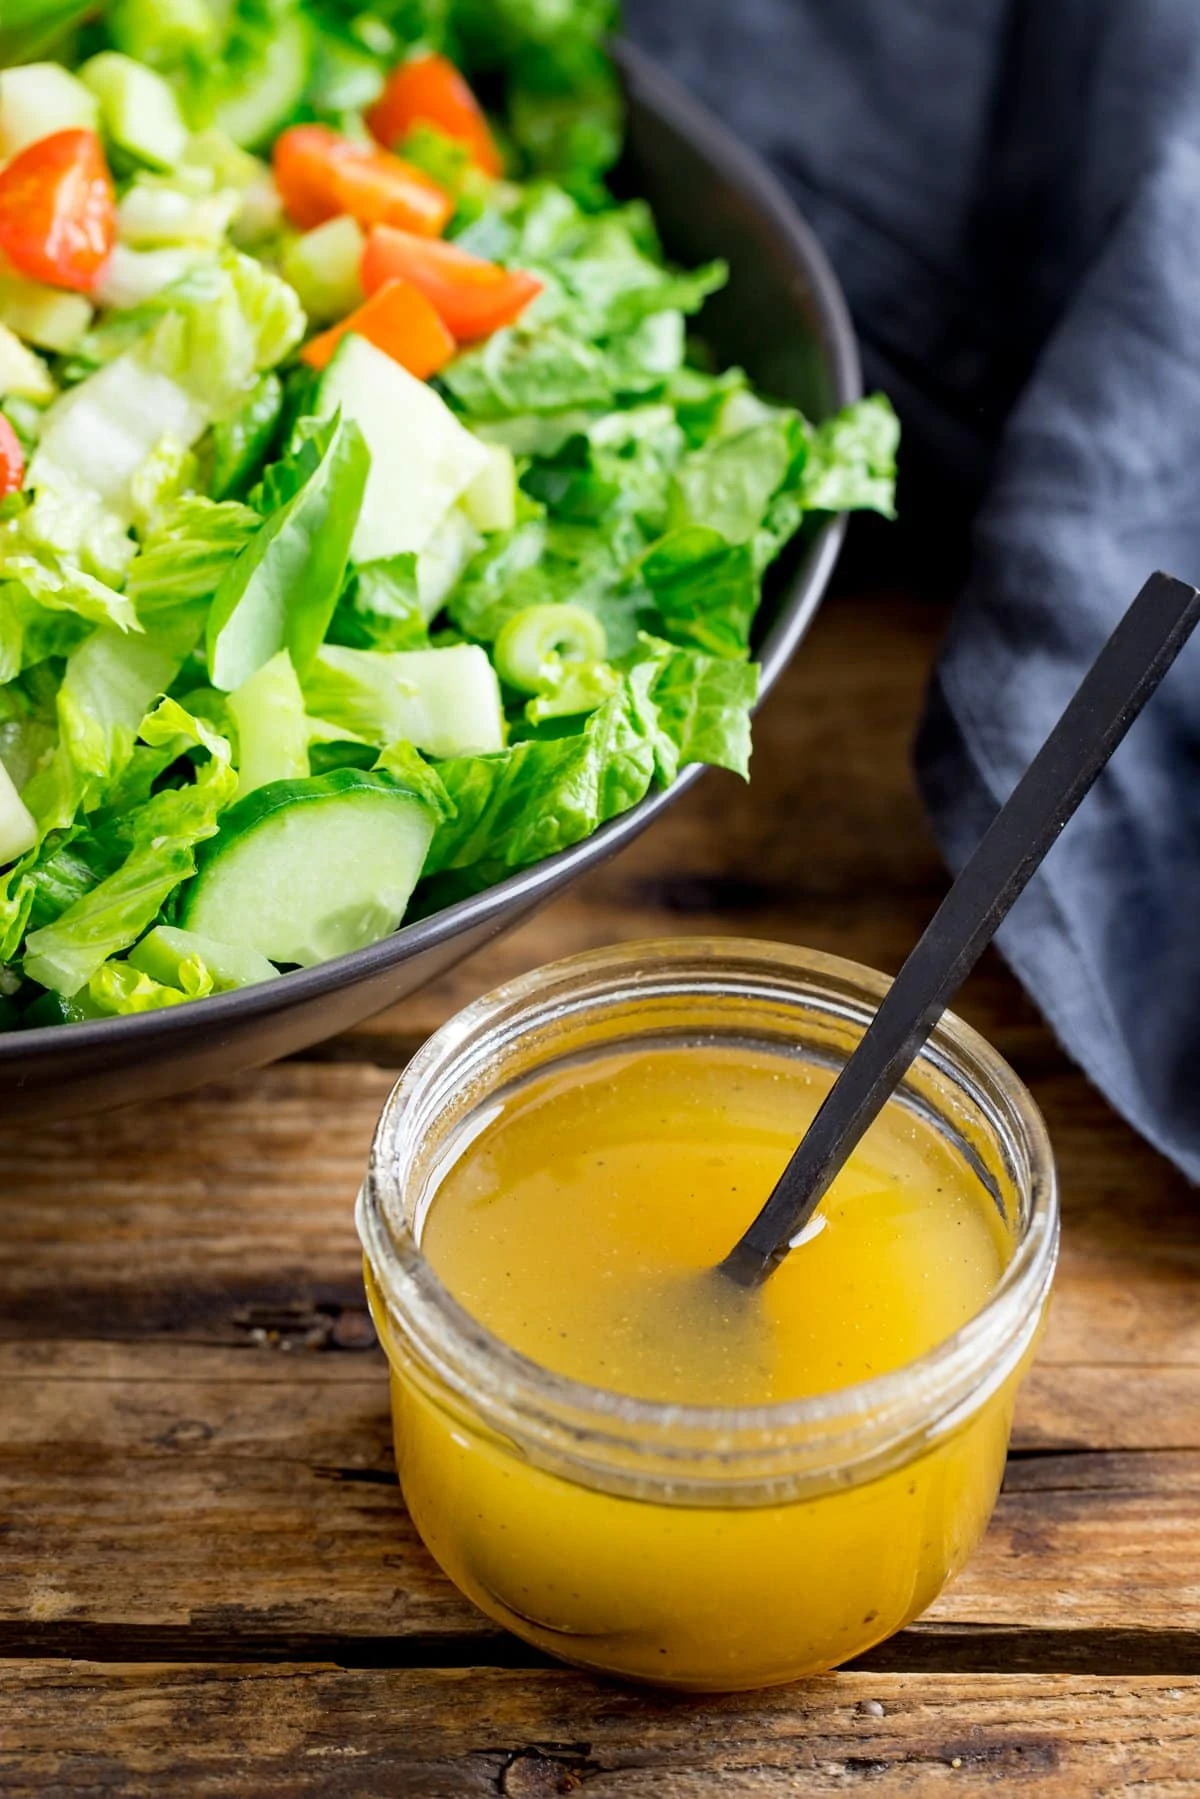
702 1548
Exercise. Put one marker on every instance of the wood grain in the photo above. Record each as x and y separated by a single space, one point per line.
529 1735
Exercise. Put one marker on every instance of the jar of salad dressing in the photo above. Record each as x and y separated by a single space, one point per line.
605 1445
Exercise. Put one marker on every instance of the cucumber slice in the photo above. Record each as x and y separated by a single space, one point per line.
38 99
446 702
443 560
139 111
22 372
46 316
272 90
305 870
322 266
163 950
491 500
422 459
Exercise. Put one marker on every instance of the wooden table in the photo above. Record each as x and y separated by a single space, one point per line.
208 1583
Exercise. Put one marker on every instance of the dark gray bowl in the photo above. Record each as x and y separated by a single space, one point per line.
783 318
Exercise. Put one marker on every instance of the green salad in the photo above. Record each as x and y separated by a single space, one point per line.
372 525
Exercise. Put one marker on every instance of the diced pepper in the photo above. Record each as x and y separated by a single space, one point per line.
474 297
429 90
58 217
398 320
321 174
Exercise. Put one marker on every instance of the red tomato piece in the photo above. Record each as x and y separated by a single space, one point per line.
429 90
473 296
12 459
321 174
58 215
398 320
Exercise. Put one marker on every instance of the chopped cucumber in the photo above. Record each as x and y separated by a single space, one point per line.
163 951
38 99
422 459
443 560
273 730
490 502
322 266
446 702
304 870
22 372
131 277
101 432
18 831
138 110
272 89
260 215
47 316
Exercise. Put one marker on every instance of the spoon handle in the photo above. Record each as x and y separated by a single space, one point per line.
1112 693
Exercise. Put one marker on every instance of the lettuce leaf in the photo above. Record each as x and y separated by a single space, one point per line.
107 686
223 326
705 589
379 608
704 706
544 794
729 483
188 551
282 590
524 803
65 955
118 990
851 463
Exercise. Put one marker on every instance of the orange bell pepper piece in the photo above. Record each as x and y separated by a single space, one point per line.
397 319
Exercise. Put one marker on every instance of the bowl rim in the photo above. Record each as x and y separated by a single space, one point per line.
523 891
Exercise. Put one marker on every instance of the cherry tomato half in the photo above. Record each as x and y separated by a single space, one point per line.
474 297
429 90
58 216
12 459
321 174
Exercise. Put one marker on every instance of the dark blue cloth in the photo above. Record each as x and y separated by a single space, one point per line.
1010 191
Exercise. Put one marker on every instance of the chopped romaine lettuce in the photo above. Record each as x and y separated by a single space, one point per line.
256 618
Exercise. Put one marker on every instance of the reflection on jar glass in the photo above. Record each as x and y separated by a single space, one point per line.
700 1545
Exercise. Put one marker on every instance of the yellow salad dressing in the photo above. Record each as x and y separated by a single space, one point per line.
580 1223
577 1226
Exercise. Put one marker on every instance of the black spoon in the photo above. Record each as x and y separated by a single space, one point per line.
1112 693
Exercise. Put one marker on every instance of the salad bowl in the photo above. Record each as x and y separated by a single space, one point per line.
783 318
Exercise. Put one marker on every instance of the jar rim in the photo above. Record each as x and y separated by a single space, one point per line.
484 1370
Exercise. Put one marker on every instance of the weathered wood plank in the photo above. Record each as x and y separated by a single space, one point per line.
252 1501
306 1730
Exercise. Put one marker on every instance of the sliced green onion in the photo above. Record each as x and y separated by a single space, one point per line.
535 643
